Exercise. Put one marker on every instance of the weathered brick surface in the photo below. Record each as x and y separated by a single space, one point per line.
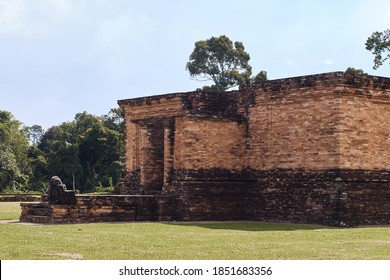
364 133
333 197
321 122
294 132
102 208
149 119
209 143
310 149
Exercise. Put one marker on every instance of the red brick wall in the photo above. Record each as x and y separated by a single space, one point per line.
137 135
209 143
294 132
364 133
320 122
307 149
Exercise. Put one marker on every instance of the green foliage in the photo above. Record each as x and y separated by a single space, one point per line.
114 120
100 150
261 77
39 174
220 60
86 152
354 71
14 167
379 44
108 189
35 133
63 161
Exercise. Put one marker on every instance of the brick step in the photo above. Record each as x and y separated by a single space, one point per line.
35 219
39 210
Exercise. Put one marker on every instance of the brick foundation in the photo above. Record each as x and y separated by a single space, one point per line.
101 208
332 197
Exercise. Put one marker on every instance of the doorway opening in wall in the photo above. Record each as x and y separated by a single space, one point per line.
152 167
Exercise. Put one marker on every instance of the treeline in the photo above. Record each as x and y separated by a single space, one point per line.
86 153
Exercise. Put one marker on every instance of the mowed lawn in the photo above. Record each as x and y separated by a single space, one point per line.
187 241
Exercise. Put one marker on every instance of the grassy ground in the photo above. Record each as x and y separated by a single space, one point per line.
9 210
228 240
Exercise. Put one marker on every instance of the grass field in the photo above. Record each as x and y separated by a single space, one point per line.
187 241
9 210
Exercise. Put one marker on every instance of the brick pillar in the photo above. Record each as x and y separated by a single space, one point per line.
169 135
132 146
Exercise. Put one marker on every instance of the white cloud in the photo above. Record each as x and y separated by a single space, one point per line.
11 15
31 18
291 62
57 10
328 62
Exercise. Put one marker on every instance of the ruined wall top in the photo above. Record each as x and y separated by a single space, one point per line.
204 104
340 81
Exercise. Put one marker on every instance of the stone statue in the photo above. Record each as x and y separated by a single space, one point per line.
59 194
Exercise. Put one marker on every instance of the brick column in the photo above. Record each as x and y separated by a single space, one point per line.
169 135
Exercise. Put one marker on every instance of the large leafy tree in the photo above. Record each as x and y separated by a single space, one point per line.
100 152
38 180
221 61
63 160
379 44
60 147
114 120
14 165
86 152
35 133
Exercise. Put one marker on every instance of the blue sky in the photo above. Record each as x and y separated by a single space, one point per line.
62 57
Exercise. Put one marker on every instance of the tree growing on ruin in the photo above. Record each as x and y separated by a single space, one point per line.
221 61
354 71
379 44
261 77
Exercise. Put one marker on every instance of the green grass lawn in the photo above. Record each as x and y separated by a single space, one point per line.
9 210
187 241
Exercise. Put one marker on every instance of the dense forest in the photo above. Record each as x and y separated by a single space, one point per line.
86 153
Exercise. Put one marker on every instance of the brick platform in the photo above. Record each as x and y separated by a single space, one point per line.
100 208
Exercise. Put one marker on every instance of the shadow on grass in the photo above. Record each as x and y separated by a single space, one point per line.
250 226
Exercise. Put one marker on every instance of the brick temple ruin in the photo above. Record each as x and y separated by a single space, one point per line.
308 149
